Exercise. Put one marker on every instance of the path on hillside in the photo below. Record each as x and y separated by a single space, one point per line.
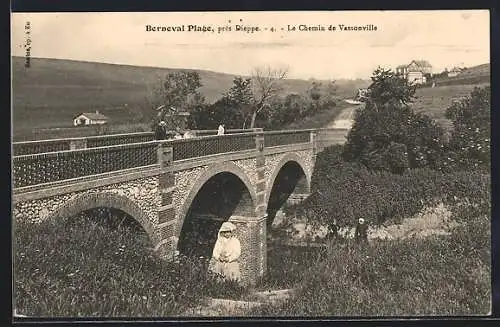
345 118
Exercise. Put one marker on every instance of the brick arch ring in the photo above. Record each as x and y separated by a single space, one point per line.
108 200
225 167
289 157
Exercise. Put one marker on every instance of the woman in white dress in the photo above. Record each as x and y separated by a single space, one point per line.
226 253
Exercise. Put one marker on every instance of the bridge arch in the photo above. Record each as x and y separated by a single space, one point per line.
300 183
223 190
90 201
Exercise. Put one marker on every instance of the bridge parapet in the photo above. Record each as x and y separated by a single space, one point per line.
276 138
208 145
54 145
34 169
41 168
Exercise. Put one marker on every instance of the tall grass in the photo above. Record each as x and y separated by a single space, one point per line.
90 266
287 265
439 275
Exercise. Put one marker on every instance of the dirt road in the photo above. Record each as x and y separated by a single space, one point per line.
345 118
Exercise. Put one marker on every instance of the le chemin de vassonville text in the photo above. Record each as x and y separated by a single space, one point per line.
252 29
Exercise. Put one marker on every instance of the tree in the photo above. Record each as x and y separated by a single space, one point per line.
389 87
266 83
315 90
286 110
470 138
179 90
231 108
331 89
241 97
211 115
387 134
240 92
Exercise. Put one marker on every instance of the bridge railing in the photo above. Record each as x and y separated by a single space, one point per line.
276 138
53 145
41 168
29 147
34 169
73 143
330 136
116 139
208 145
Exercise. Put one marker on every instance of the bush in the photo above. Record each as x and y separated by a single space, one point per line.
387 135
85 267
210 116
470 140
346 191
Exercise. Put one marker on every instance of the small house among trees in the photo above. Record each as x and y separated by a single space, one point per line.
416 71
90 118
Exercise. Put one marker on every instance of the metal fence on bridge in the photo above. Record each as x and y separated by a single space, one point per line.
54 145
52 166
34 169
208 145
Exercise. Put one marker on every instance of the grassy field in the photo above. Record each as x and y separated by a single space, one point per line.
52 91
435 101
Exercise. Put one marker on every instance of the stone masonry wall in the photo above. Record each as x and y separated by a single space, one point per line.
184 181
143 192
249 167
273 160
252 236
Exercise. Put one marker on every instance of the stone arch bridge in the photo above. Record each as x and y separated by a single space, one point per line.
175 189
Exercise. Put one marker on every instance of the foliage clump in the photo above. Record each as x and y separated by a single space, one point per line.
387 134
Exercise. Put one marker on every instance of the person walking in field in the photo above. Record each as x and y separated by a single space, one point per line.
226 253
220 130
361 233
333 230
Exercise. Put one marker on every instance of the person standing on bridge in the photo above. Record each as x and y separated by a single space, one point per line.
226 253
178 134
220 131
161 131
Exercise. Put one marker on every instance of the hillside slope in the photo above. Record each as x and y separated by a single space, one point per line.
52 91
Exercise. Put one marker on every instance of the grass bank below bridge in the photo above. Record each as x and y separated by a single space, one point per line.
85 268
103 266
439 275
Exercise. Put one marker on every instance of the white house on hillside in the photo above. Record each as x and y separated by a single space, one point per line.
90 118
415 71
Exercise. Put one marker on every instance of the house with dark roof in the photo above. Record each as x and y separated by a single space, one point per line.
90 118
415 71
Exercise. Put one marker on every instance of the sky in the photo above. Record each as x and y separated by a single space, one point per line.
444 38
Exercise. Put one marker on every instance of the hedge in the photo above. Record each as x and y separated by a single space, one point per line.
345 191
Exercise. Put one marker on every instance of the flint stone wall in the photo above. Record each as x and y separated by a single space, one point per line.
143 192
307 161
